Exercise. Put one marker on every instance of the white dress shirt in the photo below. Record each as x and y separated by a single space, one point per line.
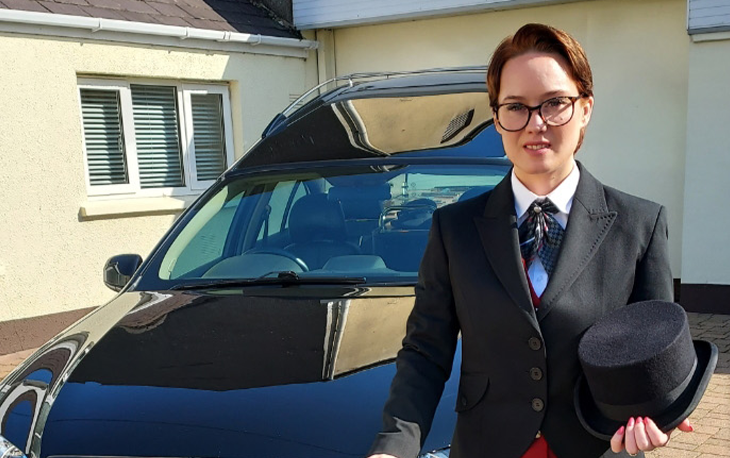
562 197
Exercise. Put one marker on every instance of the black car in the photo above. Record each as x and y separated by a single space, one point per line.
266 321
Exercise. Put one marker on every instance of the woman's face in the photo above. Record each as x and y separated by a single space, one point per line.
542 155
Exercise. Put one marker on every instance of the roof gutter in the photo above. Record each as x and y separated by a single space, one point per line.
95 25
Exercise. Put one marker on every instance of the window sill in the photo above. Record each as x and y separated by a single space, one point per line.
127 208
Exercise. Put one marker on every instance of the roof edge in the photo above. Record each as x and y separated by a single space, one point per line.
61 22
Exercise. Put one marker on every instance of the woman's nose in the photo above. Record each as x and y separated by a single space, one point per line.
535 121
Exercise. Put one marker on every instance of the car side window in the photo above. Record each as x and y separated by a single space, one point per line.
282 198
299 192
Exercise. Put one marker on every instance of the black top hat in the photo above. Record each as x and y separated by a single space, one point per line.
640 361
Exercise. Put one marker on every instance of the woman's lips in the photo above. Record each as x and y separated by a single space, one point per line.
537 147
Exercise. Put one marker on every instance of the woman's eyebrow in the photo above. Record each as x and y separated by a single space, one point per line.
544 96
513 97
556 93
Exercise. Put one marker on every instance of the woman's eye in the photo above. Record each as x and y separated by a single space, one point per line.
515 107
557 103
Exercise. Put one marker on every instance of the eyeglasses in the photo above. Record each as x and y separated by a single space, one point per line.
554 112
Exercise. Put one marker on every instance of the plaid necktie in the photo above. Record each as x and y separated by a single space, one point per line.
541 235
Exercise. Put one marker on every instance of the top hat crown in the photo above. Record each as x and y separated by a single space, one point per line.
641 361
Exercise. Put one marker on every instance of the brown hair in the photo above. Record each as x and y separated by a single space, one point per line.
545 39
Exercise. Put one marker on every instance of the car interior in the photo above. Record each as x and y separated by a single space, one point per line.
375 225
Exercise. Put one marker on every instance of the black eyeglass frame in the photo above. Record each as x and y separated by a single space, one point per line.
538 108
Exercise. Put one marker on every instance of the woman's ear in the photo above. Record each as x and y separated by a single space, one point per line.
496 124
586 109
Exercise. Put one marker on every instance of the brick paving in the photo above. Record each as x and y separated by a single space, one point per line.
9 362
711 419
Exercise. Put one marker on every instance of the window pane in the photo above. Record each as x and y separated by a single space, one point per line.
203 241
278 203
103 137
208 135
158 139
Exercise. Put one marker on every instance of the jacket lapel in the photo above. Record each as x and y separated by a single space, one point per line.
588 224
498 233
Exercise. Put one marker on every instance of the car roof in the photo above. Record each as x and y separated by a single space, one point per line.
436 112
360 85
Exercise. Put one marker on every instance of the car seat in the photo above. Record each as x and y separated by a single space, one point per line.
361 206
317 230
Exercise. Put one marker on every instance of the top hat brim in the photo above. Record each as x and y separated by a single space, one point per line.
604 428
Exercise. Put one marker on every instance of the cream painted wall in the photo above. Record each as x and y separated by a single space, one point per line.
51 261
638 51
705 253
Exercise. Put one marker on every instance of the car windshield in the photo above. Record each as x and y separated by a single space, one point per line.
368 221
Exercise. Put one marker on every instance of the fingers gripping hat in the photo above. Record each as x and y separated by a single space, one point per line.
640 360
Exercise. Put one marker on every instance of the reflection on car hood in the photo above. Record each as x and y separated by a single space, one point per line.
213 342
191 374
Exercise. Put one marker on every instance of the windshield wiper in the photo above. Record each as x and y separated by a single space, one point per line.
281 278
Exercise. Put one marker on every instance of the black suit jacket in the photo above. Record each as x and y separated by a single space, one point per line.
519 367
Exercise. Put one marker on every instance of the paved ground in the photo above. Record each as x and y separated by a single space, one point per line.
8 362
711 419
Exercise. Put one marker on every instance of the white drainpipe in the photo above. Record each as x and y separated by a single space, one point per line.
143 28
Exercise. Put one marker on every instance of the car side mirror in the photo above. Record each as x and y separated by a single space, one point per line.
119 269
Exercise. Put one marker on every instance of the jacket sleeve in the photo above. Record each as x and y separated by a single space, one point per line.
424 363
653 278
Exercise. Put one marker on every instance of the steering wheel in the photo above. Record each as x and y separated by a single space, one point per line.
280 252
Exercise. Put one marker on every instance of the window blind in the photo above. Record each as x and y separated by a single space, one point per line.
208 135
159 154
102 126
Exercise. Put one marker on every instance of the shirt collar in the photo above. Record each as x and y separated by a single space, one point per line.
562 196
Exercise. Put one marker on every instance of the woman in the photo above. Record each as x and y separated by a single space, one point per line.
522 271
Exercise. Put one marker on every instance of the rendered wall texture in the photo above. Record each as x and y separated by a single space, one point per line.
639 54
705 251
51 260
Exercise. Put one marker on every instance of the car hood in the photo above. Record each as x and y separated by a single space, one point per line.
225 373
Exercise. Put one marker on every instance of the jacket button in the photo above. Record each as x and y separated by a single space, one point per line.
463 401
534 343
536 373
538 405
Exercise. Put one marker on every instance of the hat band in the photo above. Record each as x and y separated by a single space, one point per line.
649 408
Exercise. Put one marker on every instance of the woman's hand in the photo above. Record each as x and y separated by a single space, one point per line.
642 434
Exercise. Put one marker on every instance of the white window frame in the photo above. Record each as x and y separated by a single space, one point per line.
185 129
189 150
